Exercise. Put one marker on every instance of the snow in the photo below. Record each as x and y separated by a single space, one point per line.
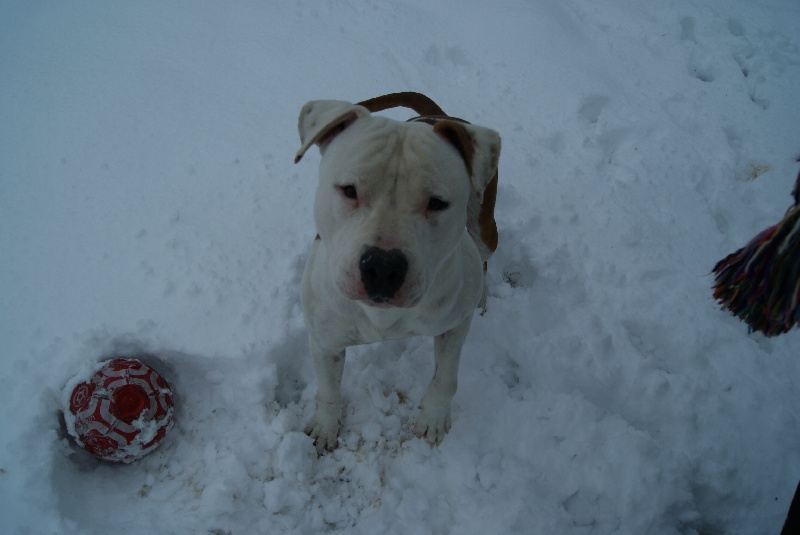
149 207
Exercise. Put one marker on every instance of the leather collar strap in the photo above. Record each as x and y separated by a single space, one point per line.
429 111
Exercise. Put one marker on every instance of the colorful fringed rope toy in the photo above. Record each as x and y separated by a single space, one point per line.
760 283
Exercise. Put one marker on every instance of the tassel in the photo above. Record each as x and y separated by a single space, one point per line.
760 283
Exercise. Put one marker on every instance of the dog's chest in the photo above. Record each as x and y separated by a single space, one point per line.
377 325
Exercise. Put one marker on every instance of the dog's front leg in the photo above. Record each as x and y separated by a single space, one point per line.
434 419
324 427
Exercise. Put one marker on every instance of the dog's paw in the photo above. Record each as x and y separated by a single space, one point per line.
324 435
324 429
433 424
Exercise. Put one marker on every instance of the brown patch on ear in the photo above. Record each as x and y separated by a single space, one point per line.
326 134
455 134
458 136
335 129
486 222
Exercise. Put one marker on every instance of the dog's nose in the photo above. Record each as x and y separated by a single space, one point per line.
382 272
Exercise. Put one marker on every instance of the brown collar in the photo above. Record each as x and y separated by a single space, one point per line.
429 111
407 99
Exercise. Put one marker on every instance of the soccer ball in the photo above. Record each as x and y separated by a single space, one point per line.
122 412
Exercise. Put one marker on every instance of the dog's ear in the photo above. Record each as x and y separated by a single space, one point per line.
478 146
321 120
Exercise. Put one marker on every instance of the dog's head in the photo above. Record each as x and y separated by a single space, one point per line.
392 200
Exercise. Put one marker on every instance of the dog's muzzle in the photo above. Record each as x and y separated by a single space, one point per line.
382 272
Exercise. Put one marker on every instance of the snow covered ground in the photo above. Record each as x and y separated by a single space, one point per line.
149 206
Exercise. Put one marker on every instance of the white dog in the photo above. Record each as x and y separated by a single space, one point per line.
404 215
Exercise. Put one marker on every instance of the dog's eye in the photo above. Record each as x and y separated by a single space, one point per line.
349 191
436 204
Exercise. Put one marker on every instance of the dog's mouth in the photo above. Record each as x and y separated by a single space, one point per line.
396 302
378 302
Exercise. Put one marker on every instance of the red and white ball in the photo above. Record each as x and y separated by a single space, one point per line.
122 412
